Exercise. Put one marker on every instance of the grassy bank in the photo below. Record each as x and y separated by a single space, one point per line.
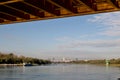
11 64
115 65
14 60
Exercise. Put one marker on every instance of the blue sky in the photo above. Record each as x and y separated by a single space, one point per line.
90 36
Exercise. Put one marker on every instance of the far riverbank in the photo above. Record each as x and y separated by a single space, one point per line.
11 65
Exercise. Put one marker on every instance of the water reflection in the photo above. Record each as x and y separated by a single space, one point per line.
60 72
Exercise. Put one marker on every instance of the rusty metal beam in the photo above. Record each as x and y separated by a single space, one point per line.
41 13
91 4
27 8
1 20
7 16
65 4
81 2
12 7
8 2
43 6
114 3
7 9
13 11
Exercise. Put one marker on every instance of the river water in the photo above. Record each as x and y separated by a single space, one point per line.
60 72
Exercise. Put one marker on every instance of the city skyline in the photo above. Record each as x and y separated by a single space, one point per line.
88 37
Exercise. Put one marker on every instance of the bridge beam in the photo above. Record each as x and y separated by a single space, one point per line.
6 9
91 4
44 6
1 20
7 16
8 2
85 4
27 8
65 4
114 3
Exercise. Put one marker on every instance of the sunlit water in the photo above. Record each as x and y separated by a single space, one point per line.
60 72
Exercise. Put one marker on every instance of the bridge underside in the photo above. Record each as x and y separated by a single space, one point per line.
12 11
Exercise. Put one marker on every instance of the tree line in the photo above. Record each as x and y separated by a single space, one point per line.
11 58
99 61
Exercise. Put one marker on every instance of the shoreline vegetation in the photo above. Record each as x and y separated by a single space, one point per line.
102 62
98 62
14 60
11 65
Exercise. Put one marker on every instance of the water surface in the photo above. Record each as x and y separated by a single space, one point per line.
60 72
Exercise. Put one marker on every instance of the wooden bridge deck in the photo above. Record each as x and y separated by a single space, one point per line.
12 11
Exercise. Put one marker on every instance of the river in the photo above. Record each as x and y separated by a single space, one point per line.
60 72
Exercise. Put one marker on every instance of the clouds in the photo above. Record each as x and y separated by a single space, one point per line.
85 44
110 23
86 36
104 43
90 43
92 49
